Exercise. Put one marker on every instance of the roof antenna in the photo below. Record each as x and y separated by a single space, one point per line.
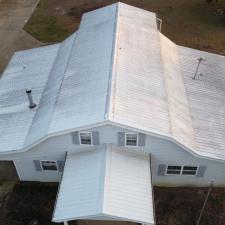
29 95
196 72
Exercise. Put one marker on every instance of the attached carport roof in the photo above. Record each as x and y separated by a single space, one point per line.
106 184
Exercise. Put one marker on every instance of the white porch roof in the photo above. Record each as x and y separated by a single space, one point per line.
106 184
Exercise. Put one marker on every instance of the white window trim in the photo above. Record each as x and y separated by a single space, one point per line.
57 169
85 133
181 171
126 140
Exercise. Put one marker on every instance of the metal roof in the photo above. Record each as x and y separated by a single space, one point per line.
205 96
27 69
116 68
106 183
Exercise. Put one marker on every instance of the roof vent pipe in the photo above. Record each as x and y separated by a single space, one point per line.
196 71
29 95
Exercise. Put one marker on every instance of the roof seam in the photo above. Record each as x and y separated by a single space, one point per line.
110 95
28 132
102 195
166 90
56 100
187 99
169 96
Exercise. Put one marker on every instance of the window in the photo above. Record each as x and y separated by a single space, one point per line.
131 139
85 138
189 170
181 170
173 170
49 165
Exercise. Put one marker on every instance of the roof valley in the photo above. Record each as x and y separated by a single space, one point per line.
31 128
50 94
180 116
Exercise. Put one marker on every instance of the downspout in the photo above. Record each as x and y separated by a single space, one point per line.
206 199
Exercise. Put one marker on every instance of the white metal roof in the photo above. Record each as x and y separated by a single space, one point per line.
206 96
27 69
106 183
138 95
83 94
116 68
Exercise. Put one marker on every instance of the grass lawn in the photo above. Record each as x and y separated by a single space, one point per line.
191 23
173 206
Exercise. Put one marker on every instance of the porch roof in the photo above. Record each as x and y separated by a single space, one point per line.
106 184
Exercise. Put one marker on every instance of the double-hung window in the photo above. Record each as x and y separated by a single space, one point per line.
190 170
176 170
85 138
181 170
131 139
49 165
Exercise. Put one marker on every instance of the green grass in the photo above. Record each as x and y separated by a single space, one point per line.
46 29
192 23
44 26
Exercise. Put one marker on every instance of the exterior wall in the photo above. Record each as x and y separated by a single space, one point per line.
162 152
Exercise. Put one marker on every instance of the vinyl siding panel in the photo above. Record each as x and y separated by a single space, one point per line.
162 152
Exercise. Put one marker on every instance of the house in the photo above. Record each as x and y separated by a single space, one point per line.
111 111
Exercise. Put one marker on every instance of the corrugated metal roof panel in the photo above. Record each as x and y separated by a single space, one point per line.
139 97
106 183
43 116
27 69
206 97
128 188
83 95
81 189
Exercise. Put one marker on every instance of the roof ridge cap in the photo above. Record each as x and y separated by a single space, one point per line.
111 86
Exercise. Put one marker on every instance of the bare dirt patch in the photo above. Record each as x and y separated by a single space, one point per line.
173 206
182 206
27 201
191 23
8 171
92 222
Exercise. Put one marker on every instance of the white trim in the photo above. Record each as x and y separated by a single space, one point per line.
46 160
16 169
125 144
97 216
85 132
